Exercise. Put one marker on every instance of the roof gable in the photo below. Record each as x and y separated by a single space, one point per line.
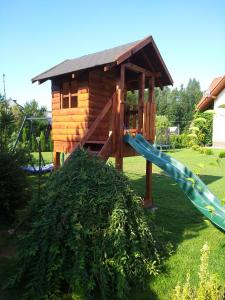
114 55
215 88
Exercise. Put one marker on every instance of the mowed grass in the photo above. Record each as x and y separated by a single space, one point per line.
179 221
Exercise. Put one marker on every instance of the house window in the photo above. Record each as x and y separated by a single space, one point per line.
69 95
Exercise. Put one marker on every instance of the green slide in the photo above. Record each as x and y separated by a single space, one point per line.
198 193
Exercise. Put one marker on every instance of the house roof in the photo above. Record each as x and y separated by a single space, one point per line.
114 55
216 86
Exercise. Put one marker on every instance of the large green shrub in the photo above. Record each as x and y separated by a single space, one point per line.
13 184
89 236
201 129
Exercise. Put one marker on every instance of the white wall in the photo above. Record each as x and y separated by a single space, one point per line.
219 121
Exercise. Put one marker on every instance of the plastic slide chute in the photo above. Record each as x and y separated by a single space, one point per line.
197 192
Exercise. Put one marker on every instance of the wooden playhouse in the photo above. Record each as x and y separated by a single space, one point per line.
89 106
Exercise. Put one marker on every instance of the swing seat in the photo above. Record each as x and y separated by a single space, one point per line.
36 169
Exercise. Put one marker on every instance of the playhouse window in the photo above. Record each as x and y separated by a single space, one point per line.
73 101
69 95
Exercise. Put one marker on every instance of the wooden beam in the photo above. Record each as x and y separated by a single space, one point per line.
56 160
147 60
151 67
106 150
109 67
141 101
148 201
121 58
139 69
93 127
120 119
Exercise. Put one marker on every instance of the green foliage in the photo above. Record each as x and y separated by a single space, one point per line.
195 147
7 126
50 144
179 141
201 129
222 154
209 287
24 136
162 122
89 236
13 182
203 150
208 151
162 133
179 104
132 98
32 109
42 142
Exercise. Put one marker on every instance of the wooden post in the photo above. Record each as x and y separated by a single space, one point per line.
56 160
141 102
148 201
120 119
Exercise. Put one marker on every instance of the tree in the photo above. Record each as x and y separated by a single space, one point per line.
42 141
7 125
24 136
178 104
32 109
162 135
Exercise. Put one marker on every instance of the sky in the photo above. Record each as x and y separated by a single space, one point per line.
36 35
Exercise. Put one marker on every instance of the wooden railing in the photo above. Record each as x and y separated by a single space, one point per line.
131 120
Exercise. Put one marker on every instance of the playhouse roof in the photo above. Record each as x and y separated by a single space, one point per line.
216 86
114 55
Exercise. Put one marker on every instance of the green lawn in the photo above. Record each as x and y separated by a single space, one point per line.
180 222
184 226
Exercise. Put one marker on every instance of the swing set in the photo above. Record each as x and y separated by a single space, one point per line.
42 167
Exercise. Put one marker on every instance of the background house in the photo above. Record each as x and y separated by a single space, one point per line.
213 98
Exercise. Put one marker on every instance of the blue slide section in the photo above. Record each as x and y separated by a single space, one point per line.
197 192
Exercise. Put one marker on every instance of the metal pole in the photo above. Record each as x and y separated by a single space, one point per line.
39 167
20 132
4 86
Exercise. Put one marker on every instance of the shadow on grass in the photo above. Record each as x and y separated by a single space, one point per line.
176 217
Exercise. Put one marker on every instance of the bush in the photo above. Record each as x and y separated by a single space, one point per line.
209 287
201 127
179 141
13 184
222 154
208 151
89 236
195 147
201 150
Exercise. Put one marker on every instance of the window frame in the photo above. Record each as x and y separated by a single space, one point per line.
69 95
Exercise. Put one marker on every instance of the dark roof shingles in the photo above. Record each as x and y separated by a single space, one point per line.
85 62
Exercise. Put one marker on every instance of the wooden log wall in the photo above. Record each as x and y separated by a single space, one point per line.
70 124
102 85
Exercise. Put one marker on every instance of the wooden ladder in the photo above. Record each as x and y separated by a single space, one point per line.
99 148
